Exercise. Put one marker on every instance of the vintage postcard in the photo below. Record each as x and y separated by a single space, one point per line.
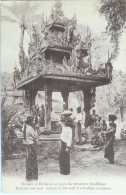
63 96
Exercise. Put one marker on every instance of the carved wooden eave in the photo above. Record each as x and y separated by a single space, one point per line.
26 80
59 48
84 81
57 26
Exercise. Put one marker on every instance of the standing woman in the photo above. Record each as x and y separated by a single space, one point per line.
110 134
66 140
30 138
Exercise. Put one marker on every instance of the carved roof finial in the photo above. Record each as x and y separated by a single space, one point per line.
46 17
15 66
74 16
87 31
58 6
52 8
43 17
108 55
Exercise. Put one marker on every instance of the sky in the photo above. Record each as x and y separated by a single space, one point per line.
86 13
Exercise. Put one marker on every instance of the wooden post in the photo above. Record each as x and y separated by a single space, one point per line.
27 98
48 106
65 95
33 97
87 105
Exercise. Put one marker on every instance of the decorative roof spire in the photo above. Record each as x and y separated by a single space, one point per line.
74 18
58 6
43 17
52 8
15 66
108 55
46 18
74 13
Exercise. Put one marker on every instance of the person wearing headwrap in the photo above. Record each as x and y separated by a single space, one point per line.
66 141
110 134
30 138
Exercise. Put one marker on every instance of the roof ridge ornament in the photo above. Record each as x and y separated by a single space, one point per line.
58 7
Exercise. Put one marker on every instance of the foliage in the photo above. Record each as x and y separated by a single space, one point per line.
101 47
112 97
115 14
6 81
8 111
22 12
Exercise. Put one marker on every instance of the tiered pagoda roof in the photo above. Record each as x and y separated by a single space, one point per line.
56 51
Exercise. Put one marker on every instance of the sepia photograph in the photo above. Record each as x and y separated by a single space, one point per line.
63 96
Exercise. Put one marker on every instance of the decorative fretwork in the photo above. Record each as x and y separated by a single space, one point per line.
60 34
93 97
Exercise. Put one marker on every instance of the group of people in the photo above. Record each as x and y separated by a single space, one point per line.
96 122
71 128
66 137
31 135
99 128
104 134
106 131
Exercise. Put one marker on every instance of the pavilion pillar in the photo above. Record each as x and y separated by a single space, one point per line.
87 106
32 98
89 102
48 106
65 95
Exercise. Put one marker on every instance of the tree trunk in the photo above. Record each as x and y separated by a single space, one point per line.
22 35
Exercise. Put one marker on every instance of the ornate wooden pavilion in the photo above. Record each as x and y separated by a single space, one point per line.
59 60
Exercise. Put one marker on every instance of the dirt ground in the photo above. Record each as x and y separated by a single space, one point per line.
82 162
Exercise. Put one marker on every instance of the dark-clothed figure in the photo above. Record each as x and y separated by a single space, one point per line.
104 126
110 134
34 110
93 118
30 138
42 116
97 125
66 140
